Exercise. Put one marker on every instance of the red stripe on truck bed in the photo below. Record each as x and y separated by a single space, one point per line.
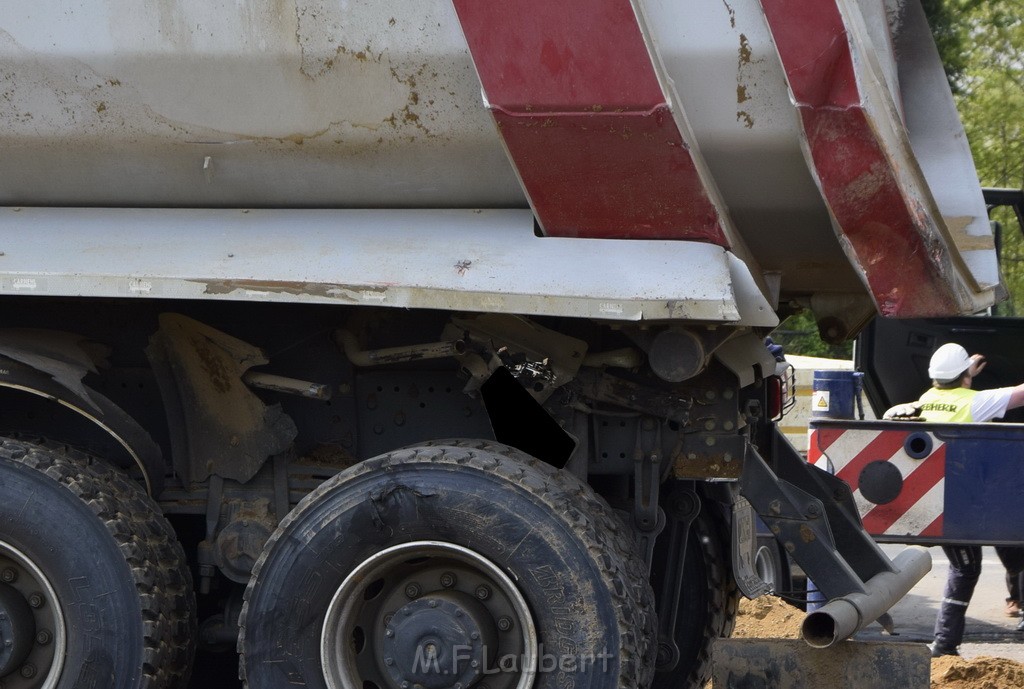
888 229
575 92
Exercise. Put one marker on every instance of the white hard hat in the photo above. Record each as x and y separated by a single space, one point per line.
948 362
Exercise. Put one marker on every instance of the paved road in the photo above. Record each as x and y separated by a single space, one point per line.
989 631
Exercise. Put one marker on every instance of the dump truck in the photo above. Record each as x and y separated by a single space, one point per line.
420 344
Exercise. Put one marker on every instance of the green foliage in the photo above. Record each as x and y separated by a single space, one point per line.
950 37
799 335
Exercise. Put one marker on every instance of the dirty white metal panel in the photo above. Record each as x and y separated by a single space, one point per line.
724 66
290 103
444 259
364 104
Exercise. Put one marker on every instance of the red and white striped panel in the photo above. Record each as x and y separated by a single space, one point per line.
917 509
858 153
580 101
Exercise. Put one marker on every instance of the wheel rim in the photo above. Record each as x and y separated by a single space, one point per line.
764 565
32 620
428 615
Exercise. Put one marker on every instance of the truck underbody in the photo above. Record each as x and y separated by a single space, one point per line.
242 412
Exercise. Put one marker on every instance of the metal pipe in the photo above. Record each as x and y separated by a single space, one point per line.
627 357
393 355
290 386
841 617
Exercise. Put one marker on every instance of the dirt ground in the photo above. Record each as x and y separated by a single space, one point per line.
769 617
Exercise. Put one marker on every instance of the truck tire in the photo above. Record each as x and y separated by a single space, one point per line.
92 578
708 606
522 565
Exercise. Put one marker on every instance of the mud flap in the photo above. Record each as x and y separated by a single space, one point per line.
744 550
792 664
218 425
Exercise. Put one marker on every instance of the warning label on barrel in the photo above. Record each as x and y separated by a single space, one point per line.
819 400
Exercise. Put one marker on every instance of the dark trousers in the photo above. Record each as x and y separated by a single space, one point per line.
964 570
1013 561
1014 586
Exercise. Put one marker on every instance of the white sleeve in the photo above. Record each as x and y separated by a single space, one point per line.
990 404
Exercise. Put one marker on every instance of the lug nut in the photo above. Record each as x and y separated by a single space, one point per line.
448 580
44 637
413 590
504 624
483 593
9 575
28 670
36 600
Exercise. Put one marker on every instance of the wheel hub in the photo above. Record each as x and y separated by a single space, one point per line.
17 629
32 632
427 615
438 642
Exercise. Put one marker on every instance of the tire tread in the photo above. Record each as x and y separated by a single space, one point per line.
148 544
583 511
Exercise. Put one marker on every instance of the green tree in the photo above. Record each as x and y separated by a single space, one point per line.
951 35
798 334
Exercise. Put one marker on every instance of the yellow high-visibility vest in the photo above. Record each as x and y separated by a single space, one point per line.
947 406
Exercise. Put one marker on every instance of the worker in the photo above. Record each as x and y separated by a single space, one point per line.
951 400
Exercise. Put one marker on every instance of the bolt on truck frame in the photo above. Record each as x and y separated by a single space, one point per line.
419 344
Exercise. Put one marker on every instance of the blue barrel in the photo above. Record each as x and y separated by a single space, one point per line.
835 394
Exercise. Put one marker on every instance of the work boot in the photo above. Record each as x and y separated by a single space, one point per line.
1012 608
938 651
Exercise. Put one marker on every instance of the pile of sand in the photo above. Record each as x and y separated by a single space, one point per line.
769 617
983 672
